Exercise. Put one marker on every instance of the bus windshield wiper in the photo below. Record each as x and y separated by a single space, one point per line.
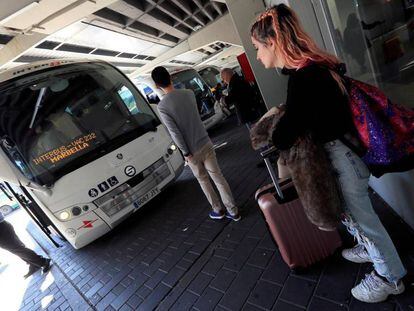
37 107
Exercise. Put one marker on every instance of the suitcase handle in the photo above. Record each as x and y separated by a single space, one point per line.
271 188
268 151
265 154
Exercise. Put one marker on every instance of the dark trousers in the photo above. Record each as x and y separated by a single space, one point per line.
11 242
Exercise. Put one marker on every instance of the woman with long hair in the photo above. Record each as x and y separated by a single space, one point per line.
317 105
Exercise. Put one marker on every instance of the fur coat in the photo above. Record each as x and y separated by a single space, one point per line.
311 170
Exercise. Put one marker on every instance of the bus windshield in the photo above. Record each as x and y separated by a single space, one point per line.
190 79
56 120
211 75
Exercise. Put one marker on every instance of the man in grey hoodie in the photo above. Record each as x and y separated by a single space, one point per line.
179 113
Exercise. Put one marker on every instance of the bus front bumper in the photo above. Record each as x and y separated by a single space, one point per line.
89 227
84 230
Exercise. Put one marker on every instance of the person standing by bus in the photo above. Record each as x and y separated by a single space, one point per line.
317 104
240 94
11 242
179 113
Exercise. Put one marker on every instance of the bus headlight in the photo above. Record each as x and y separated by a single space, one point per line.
64 216
73 212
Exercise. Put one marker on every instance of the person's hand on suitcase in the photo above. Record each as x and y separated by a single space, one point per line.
188 157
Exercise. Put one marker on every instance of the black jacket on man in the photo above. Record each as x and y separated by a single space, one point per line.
240 94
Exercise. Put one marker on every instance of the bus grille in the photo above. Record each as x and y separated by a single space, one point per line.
129 192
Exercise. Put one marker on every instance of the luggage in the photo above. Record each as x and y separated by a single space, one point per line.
300 243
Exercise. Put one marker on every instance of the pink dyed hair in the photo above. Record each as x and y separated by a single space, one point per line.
281 25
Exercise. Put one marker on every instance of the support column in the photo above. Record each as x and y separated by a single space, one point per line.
272 84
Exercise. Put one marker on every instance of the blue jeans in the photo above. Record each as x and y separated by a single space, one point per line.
360 218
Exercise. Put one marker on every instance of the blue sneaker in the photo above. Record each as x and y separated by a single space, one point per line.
236 217
214 215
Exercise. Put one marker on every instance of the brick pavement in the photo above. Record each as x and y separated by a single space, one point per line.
52 292
171 256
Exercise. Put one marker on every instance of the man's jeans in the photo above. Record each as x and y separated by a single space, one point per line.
204 163
360 218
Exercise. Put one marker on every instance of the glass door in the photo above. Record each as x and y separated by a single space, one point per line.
375 38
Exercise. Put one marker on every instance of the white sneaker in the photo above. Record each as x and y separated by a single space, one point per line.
374 289
357 254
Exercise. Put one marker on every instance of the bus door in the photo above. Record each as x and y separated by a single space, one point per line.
36 213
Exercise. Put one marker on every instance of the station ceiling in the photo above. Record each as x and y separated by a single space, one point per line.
128 33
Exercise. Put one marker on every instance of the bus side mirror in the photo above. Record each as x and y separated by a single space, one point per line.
9 173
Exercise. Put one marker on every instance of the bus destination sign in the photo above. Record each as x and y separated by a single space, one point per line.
63 152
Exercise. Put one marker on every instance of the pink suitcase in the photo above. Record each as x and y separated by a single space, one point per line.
300 243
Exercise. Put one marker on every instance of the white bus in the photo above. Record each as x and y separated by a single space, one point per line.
188 78
210 74
82 145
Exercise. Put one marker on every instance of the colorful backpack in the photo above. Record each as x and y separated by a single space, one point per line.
385 130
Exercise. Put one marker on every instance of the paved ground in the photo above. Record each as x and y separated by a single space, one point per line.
15 291
171 256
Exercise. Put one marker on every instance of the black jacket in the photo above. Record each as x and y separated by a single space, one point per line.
241 95
314 105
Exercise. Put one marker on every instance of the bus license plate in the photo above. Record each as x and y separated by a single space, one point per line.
145 198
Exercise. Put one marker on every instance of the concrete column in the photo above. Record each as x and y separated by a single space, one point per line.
271 83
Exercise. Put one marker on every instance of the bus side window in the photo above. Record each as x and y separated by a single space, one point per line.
128 99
